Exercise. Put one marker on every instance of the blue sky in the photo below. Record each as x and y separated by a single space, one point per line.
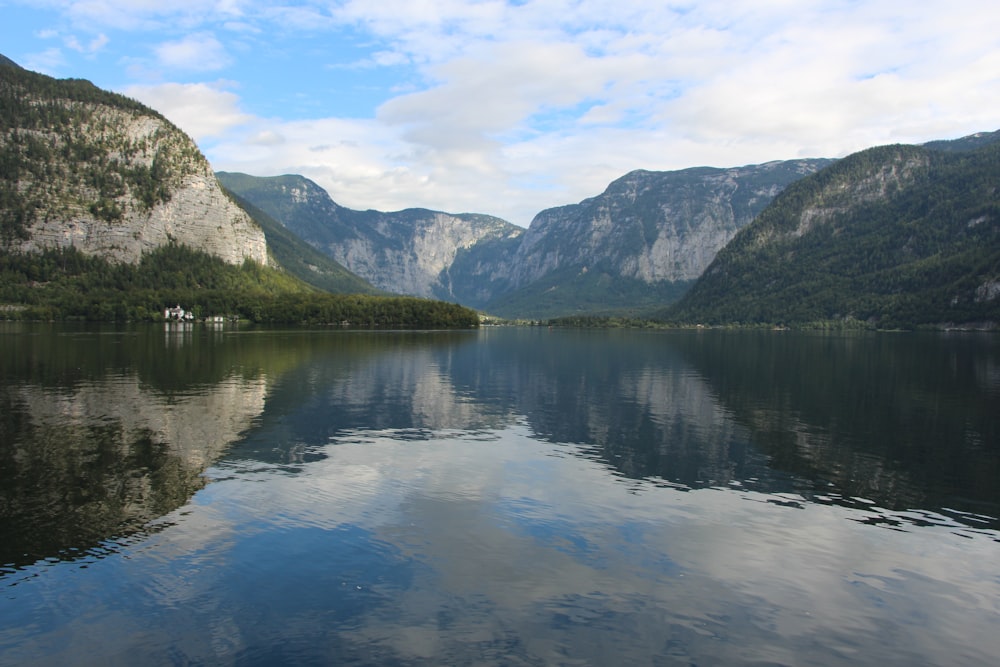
510 107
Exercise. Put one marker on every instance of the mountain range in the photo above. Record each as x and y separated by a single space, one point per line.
637 245
891 236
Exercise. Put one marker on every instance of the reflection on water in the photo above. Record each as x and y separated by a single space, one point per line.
904 421
498 497
103 432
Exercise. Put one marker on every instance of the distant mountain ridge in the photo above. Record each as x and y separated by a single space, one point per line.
414 251
640 243
301 260
644 239
891 236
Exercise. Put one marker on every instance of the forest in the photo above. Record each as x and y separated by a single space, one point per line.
68 285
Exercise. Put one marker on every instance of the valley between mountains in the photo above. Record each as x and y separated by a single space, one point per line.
894 236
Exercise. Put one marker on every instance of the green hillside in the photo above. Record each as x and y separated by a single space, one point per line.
895 236
575 291
67 285
302 260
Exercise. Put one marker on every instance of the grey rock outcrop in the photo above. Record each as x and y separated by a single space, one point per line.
654 226
88 169
416 251
649 228
198 215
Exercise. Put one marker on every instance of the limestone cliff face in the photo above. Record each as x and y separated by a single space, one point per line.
649 227
92 170
198 215
415 251
654 226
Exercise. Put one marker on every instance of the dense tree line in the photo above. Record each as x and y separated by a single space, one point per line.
603 322
67 285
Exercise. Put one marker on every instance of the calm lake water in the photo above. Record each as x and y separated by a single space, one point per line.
185 496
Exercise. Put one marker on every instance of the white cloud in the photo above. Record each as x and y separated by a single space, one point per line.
199 52
147 14
204 111
507 109
95 45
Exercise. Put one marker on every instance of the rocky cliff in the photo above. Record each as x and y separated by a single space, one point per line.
407 252
85 168
646 234
654 226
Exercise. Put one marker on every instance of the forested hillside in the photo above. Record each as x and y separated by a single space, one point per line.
108 212
68 285
895 236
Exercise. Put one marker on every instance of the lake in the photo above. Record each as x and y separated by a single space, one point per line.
190 495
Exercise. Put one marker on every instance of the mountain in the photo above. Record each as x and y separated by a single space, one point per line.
968 143
639 244
84 168
301 260
108 212
894 236
642 241
415 251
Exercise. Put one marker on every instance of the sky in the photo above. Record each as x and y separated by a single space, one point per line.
509 107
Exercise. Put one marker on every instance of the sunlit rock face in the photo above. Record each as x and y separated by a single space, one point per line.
198 215
456 257
413 252
654 226
102 174
651 227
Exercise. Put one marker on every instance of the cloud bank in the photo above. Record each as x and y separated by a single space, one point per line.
511 107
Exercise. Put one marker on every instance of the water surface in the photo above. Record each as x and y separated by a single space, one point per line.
188 495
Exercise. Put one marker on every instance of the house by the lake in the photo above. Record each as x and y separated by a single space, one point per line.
177 314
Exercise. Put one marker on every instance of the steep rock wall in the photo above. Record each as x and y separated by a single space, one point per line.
104 175
415 256
198 215
654 226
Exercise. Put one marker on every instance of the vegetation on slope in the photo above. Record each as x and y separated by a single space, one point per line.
895 236
67 285
574 291
302 260
62 148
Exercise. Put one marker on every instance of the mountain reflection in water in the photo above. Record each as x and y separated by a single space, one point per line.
105 431
253 496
